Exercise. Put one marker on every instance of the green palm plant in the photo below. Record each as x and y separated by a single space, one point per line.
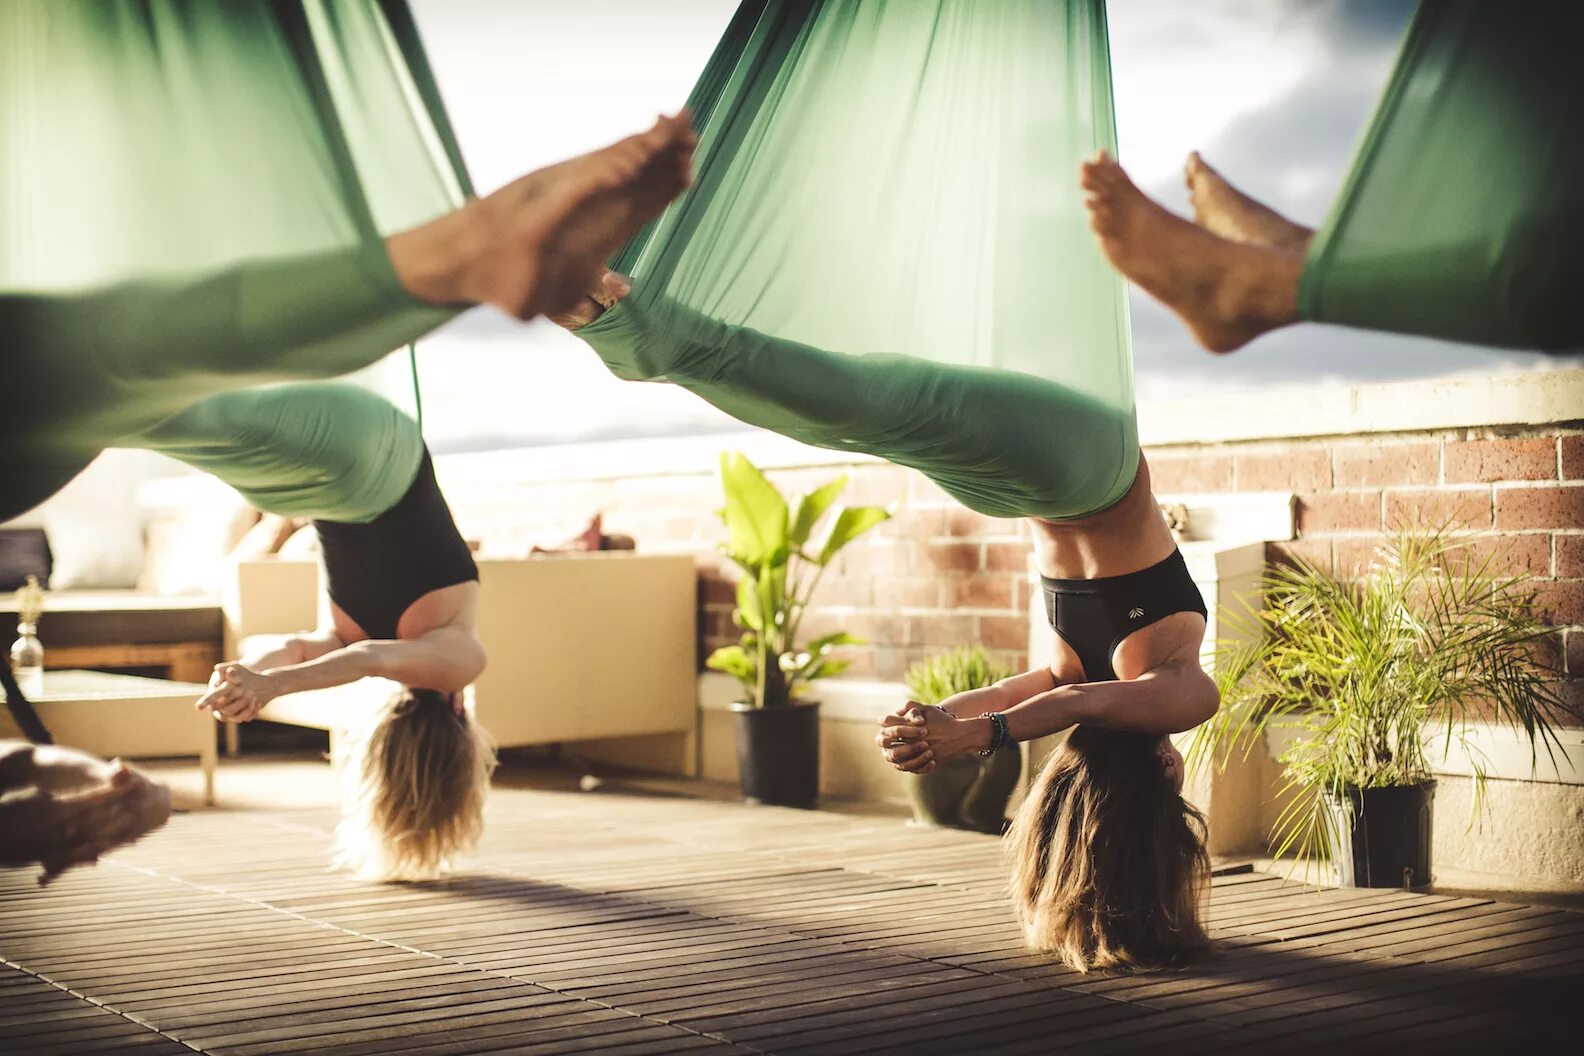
773 545
1372 674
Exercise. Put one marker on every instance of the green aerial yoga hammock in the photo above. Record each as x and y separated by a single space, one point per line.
896 182
1463 215
195 200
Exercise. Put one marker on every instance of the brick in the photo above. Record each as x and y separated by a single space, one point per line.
965 524
1569 556
1369 465
1560 603
1572 694
893 662
1012 660
1007 557
1572 457
848 589
1539 507
875 628
1487 461
1022 591
1355 557
908 593
980 592
865 663
1339 511
1512 554
939 629
1460 509
1190 473
1003 632
953 557
1304 469
915 524
878 558
1314 552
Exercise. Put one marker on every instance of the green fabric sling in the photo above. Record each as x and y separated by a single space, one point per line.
898 177
195 200
1462 216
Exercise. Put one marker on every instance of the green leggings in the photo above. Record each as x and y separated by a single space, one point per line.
1462 215
106 368
1002 443
326 450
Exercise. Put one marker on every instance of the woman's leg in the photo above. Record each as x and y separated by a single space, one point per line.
1005 444
1222 209
326 450
91 368
1448 223
1227 293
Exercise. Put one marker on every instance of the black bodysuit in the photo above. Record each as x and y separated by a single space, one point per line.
375 571
1094 615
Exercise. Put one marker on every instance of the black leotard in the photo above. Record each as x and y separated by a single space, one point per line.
375 571
1094 615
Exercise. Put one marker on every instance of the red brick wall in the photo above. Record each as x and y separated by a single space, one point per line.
1521 494
938 575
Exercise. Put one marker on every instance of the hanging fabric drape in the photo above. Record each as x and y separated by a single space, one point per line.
899 176
1462 213
194 199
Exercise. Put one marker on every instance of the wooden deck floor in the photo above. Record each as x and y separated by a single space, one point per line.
631 924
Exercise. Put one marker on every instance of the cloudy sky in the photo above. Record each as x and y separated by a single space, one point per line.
1275 92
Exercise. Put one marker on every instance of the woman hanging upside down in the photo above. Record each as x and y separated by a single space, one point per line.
101 366
403 592
1111 860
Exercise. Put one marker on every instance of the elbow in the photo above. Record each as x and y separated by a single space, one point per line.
1209 704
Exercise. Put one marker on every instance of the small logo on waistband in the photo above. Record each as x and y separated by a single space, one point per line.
1134 614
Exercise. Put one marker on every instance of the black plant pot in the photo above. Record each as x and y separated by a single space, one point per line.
778 754
1380 837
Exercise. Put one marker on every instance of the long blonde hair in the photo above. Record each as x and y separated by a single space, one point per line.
416 789
1109 866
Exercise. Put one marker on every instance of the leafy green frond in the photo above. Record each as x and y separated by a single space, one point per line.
1370 675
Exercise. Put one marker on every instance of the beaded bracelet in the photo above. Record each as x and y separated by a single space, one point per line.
999 737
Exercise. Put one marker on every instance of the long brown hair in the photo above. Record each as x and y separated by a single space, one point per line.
417 786
1109 866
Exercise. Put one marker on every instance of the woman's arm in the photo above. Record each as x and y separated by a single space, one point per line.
260 652
447 659
1000 696
1174 697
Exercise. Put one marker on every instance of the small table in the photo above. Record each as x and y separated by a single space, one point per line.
127 715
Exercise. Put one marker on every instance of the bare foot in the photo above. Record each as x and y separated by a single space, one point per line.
610 288
1224 210
534 245
1226 292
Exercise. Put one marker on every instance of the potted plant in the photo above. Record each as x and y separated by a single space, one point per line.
774 546
971 792
1374 677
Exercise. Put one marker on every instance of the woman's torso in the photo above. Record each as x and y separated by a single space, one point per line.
1115 570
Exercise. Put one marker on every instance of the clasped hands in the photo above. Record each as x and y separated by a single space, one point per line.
237 693
920 737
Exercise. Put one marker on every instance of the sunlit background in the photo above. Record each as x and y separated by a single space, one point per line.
1274 92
